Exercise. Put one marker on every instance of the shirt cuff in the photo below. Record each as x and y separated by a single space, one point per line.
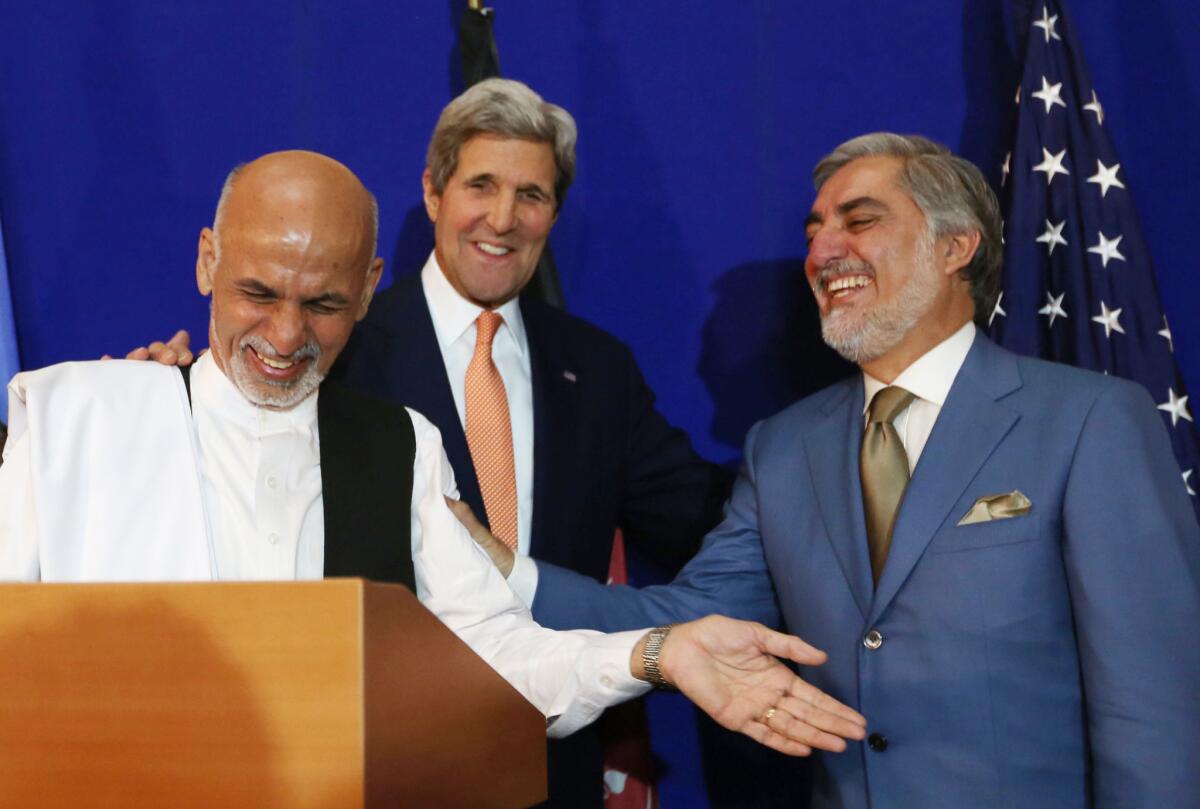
523 579
607 680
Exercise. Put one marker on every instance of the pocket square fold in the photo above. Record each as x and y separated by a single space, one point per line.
997 507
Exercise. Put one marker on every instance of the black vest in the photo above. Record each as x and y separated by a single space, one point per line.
367 453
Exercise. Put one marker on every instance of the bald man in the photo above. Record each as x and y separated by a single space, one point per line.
263 472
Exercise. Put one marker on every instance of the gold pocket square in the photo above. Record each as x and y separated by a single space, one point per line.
997 507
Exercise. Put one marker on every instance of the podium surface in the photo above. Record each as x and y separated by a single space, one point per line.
333 694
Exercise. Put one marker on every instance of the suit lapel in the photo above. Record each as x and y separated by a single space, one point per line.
555 414
972 423
832 450
420 379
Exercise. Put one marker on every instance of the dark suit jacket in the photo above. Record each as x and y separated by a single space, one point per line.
603 458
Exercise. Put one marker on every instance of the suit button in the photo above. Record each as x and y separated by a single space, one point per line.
873 639
877 742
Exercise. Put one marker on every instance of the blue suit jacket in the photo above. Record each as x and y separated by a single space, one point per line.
1045 660
603 457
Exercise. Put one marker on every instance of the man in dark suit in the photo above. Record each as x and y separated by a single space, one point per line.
1016 618
589 450
584 449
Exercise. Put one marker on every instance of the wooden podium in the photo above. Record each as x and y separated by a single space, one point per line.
325 694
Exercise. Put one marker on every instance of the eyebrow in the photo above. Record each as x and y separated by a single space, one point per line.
255 287
335 298
848 207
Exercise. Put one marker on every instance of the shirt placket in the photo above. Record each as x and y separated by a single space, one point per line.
275 537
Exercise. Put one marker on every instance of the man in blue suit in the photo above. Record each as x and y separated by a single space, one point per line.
1016 618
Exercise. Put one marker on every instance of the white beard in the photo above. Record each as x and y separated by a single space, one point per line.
265 392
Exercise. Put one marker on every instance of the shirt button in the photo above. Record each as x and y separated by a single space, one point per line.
272 482
606 681
272 537
873 639
877 742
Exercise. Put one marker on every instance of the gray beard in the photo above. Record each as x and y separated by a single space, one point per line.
865 336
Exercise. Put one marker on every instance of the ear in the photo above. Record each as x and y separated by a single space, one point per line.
433 199
374 273
958 250
206 261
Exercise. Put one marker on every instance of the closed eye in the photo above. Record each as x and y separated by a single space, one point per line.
257 292
330 304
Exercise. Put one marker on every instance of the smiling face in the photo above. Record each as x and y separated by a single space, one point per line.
886 289
492 218
290 276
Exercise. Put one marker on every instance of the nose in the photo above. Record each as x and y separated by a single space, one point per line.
502 215
825 245
287 330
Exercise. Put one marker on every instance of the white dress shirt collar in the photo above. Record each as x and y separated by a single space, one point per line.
453 314
931 376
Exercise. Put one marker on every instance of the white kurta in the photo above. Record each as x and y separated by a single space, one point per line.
106 478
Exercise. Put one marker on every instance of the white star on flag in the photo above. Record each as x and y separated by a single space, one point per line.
1095 107
1017 97
1187 485
1051 164
1165 333
1176 406
1107 249
1053 307
1053 236
1110 319
1047 23
1106 177
997 310
1004 168
1050 94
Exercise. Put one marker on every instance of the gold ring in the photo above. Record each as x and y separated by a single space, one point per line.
766 717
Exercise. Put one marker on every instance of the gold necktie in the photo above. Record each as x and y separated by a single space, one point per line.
883 469
489 433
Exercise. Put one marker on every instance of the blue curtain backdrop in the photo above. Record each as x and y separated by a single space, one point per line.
683 234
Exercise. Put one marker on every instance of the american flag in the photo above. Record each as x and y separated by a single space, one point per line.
1079 286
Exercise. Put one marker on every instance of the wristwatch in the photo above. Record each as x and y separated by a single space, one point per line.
650 653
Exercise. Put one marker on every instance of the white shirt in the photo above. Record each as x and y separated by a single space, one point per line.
261 474
454 324
930 378
109 432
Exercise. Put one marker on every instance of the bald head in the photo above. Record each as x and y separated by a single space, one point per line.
290 263
294 179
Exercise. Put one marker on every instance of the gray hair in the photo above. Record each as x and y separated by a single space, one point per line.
510 109
223 202
950 191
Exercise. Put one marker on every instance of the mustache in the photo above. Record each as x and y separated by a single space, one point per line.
265 349
839 267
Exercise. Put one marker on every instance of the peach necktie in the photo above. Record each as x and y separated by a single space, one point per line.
489 433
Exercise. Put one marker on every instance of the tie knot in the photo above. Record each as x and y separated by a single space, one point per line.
486 326
887 404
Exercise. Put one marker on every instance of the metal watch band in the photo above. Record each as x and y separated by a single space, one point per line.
650 653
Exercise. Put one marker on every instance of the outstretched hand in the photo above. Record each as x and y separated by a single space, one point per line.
730 669
175 351
500 554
